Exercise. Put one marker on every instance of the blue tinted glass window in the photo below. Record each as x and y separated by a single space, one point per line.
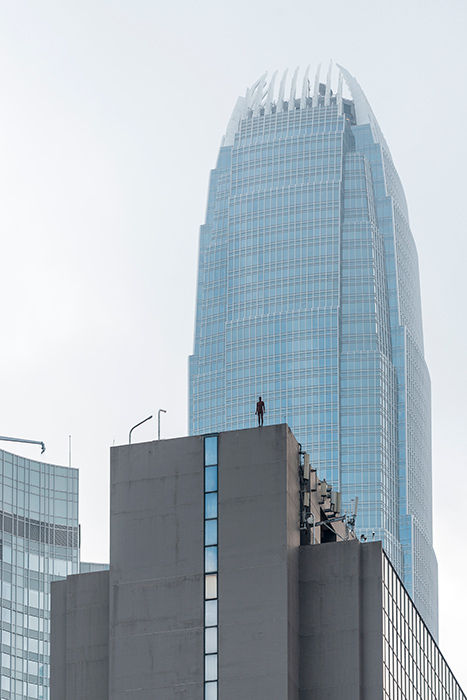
210 667
210 613
210 640
210 450
210 505
210 532
210 559
210 479
210 690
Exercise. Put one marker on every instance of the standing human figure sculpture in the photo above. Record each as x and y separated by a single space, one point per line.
260 409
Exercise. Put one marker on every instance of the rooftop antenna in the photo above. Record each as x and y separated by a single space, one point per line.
353 514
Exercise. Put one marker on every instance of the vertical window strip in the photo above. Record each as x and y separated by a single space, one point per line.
211 664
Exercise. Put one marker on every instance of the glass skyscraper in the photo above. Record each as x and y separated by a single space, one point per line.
39 542
308 295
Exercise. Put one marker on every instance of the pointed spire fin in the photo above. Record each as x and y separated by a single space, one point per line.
340 106
252 93
362 108
305 89
280 99
316 89
292 89
258 99
270 95
327 95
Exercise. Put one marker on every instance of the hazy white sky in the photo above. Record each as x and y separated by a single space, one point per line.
111 116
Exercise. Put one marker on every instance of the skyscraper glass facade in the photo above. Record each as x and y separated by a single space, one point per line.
308 295
39 542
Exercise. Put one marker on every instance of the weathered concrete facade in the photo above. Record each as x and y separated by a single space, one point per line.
80 632
293 622
259 538
156 574
156 580
341 633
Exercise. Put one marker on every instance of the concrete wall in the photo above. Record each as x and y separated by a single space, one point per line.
341 621
295 623
258 564
79 660
157 574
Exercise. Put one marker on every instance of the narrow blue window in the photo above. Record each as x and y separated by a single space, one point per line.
210 667
210 479
210 451
211 505
210 560
210 613
210 640
210 569
210 691
210 532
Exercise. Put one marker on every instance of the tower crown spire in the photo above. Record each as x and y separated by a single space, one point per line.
275 96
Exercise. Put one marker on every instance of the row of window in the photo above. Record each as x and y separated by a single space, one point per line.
210 570
24 562
53 478
275 180
49 506
414 668
24 690
21 643
25 596
317 127
300 196
24 666
281 147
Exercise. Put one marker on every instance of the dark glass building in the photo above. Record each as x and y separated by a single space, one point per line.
308 295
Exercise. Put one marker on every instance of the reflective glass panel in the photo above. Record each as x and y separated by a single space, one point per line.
210 613
210 640
210 667
210 479
210 559
210 691
210 532
210 508
210 450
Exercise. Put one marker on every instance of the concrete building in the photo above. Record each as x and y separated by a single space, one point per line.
216 591
308 295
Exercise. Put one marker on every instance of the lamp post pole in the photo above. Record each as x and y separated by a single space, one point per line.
136 426
161 410
30 442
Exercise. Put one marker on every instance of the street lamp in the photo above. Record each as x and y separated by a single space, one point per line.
161 410
30 442
135 426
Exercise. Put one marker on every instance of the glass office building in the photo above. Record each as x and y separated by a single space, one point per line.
39 542
413 666
308 295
